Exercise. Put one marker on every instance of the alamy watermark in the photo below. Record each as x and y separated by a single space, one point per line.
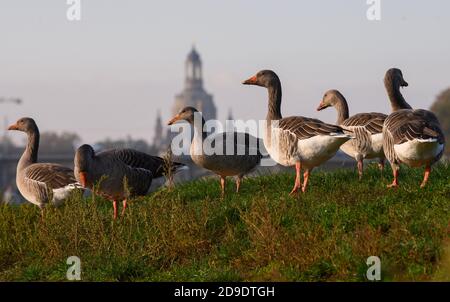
74 270
374 271
74 10
374 11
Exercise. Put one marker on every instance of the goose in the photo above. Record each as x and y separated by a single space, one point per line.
296 140
118 174
40 183
245 153
367 127
410 136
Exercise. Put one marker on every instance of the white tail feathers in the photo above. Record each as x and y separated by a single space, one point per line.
342 135
427 140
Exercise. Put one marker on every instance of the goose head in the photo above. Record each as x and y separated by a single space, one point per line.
186 114
82 162
395 76
330 98
264 78
25 124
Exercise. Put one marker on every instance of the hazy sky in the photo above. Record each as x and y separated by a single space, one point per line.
107 74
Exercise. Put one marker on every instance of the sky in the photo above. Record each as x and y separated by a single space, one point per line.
109 73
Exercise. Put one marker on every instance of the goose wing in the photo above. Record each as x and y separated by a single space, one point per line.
52 176
372 122
305 128
137 159
406 125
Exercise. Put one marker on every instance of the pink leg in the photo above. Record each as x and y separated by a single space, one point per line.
115 209
394 183
425 176
238 184
222 185
305 180
360 168
298 180
124 203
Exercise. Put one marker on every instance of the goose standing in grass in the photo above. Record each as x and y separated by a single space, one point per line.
40 183
118 174
410 136
296 140
367 127
245 153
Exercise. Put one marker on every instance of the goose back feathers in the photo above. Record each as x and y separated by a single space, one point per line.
413 137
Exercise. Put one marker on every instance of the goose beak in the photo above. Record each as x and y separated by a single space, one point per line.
13 127
251 81
404 84
83 178
173 120
321 106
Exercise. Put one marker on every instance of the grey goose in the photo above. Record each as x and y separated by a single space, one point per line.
410 136
367 128
40 183
221 163
118 174
296 140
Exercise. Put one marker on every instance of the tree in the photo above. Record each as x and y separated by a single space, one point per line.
441 107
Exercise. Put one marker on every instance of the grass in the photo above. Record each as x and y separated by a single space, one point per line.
189 233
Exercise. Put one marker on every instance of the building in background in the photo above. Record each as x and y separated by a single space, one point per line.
193 94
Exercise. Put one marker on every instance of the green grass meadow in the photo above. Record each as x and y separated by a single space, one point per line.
189 233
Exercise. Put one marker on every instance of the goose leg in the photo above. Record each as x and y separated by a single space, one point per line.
425 176
394 183
305 180
124 203
298 180
115 209
222 185
360 168
238 183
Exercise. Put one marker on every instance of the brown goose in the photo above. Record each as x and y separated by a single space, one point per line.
40 183
410 136
118 174
367 127
296 140
244 158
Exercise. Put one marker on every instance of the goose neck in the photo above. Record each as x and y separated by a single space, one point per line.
342 110
30 155
274 112
395 96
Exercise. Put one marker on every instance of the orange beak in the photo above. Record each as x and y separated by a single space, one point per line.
13 127
83 177
321 106
173 120
251 81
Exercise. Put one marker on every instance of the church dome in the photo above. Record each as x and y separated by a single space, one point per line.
194 93
193 56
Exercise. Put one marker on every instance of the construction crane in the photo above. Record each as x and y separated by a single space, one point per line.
17 101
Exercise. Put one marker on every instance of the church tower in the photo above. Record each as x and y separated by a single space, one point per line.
193 93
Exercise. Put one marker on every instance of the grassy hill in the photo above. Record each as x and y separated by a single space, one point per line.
190 234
